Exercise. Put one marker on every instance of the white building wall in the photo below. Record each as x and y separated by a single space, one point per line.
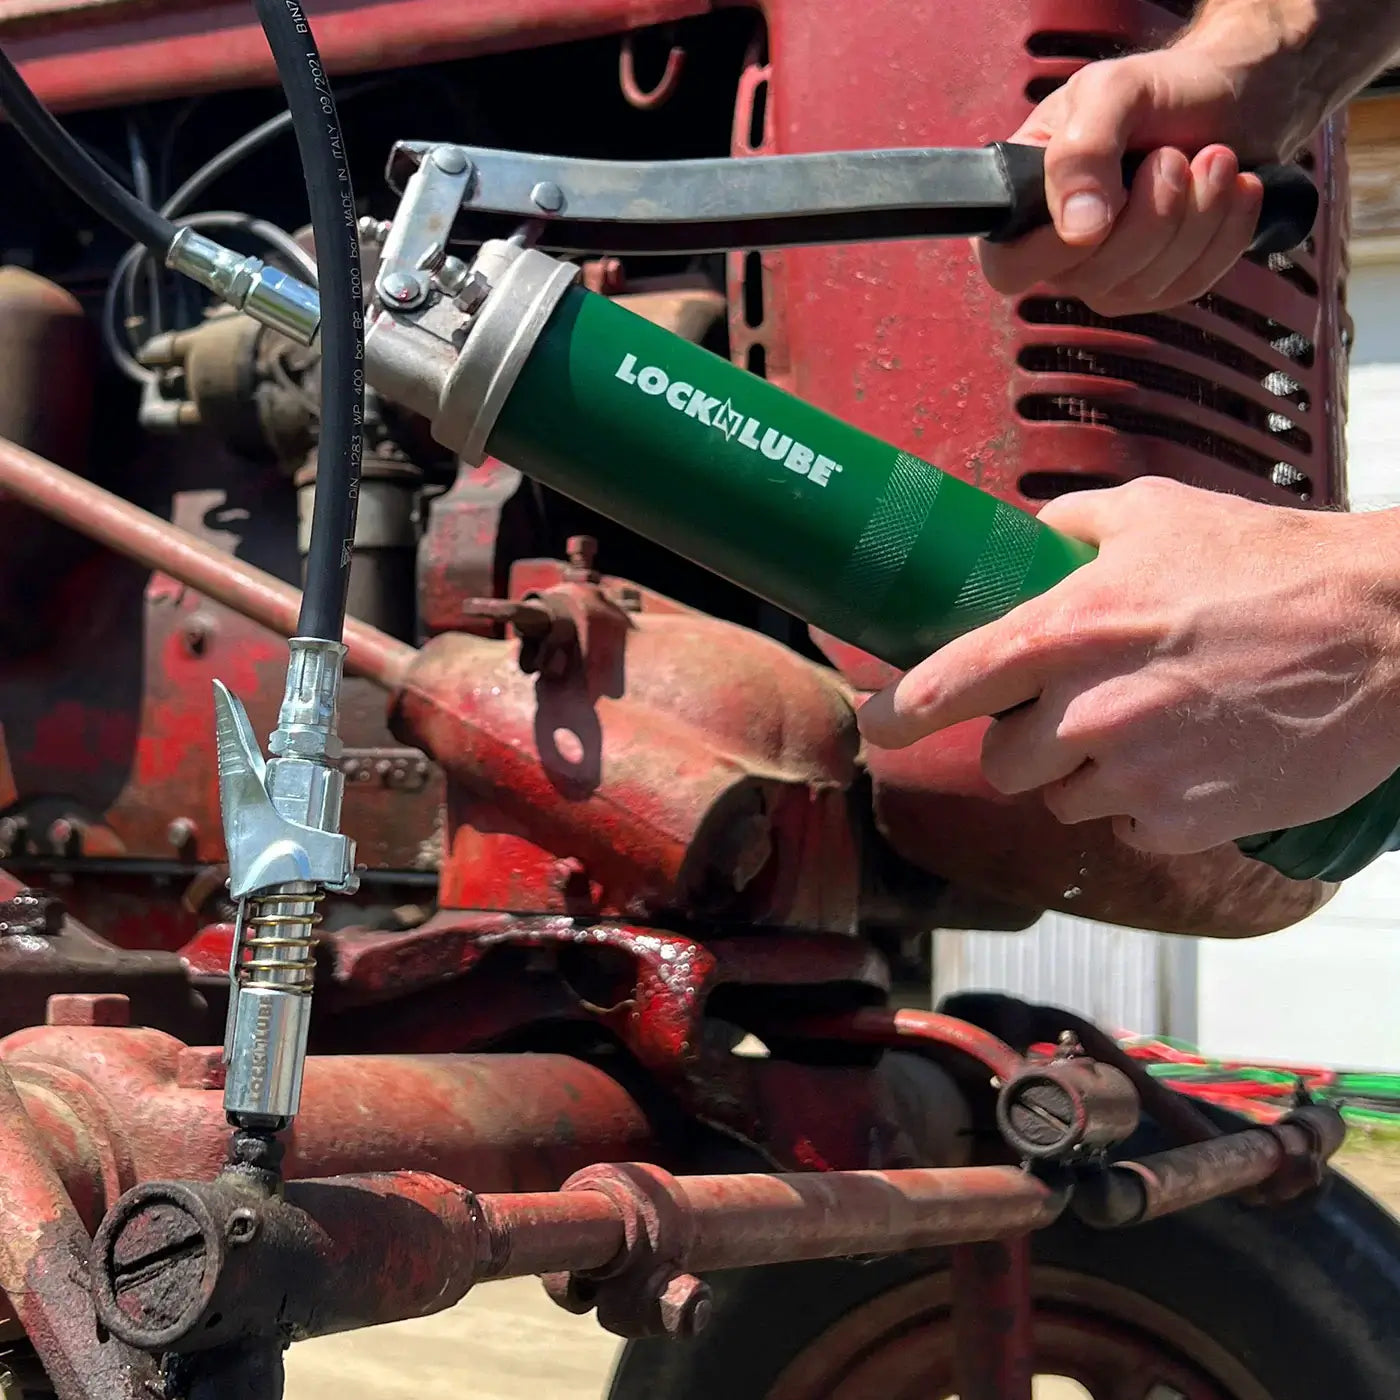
1324 992
1327 990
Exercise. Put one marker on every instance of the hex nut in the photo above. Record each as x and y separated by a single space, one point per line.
687 1305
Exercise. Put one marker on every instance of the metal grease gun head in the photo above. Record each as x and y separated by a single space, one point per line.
281 826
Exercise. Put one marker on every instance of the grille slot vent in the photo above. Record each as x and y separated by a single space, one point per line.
1164 379
1066 408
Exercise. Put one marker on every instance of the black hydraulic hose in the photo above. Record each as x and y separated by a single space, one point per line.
333 225
83 175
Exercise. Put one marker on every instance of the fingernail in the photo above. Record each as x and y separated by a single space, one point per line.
1220 171
1176 170
1084 215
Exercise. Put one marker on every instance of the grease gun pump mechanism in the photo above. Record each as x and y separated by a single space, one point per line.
508 356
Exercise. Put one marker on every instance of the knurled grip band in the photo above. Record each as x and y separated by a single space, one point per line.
998 577
992 587
889 537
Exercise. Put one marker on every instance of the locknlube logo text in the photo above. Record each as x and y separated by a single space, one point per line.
723 417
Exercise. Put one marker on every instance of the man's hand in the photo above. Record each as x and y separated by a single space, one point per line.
1190 213
1221 669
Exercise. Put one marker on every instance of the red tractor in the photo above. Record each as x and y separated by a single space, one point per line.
613 1003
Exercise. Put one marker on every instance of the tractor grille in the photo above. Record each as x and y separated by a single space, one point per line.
1239 391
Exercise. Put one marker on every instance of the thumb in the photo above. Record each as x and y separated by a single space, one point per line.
1084 158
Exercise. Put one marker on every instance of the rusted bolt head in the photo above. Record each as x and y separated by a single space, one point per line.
88 1009
181 833
570 878
573 1294
156 1260
686 1306
63 833
581 550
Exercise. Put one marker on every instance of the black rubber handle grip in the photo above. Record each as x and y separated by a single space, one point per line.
1285 220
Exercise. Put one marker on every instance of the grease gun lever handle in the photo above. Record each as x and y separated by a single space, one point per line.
1286 216
592 207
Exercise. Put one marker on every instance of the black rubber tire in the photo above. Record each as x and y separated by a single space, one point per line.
1305 1298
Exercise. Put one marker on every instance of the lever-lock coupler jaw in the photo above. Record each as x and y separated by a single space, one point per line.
281 827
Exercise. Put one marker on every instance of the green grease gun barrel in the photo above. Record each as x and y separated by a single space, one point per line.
836 527
846 532
840 529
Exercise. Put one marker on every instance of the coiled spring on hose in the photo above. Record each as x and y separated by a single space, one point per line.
276 944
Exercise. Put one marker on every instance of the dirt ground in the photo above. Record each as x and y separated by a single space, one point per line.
508 1342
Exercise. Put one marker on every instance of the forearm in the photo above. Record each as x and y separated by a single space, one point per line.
1296 61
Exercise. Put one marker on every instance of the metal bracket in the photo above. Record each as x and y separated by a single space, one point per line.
266 848
416 245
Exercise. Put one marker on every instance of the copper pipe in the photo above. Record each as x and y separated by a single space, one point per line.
157 544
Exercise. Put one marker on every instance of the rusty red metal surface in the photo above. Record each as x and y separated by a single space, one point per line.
118 1106
554 801
157 544
49 959
744 1220
468 982
1042 396
197 1266
648 988
653 986
878 334
937 811
994 1344
136 51
1286 1158
111 740
43 1264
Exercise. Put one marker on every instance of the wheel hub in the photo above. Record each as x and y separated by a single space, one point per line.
1092 1341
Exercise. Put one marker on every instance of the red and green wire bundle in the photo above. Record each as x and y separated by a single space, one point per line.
1266 1092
